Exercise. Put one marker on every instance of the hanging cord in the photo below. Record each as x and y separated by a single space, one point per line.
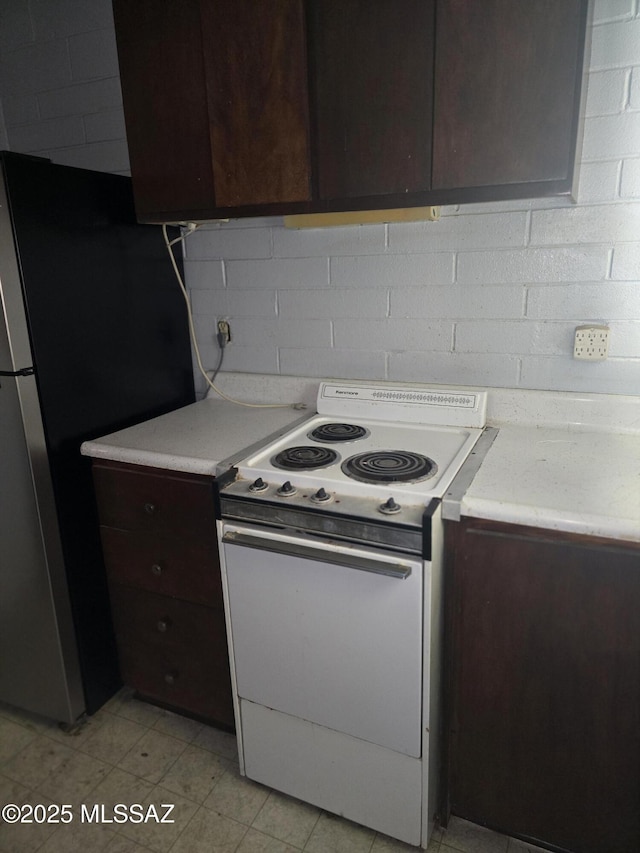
169 244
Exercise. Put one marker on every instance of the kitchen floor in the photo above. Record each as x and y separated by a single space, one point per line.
133 753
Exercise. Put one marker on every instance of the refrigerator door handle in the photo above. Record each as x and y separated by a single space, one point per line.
24 371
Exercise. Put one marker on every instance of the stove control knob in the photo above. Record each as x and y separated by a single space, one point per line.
321 496
286 490
390 507
258 485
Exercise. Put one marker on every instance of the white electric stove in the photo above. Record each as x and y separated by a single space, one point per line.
331 555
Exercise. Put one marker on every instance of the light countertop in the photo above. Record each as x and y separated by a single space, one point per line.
196 438
571 479
560 461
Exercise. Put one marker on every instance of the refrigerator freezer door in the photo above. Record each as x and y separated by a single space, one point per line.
39 668
38 665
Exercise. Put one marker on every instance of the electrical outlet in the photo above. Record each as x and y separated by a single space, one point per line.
591 343
224 330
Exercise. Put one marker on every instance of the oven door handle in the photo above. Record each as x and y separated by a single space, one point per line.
298 549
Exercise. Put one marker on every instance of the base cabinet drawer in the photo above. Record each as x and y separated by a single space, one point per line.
176 566
174 652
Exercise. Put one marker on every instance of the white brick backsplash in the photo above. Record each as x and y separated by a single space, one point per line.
67 17
453 368
615 45
393 334
458 302
280 332
634 91
105 125
345 364
16 28
35 67
251 303
571 374
534 265
109 156
242 358
203 275
20 109
93 55
624 340
585 302
606 92
228 243
392 270
630 183
211 303
458 231
4 142
323 242
598 182
330 303
521 337
611 137
276 273
80 98
590 224
609 10
56 133
626 263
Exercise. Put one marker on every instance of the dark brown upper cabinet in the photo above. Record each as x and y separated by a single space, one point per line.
259 107
371 87
507 95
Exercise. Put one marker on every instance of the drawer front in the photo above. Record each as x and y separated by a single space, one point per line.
174 652
178 566
137 500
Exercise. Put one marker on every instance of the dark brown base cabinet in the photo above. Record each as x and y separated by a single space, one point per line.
543 685
267 107
160 549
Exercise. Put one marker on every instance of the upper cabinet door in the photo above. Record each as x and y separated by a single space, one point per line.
507 85
163 90
255 63
371 91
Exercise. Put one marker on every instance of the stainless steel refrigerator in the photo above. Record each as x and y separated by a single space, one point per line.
93 338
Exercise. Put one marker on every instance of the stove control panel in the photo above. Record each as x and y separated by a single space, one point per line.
384 508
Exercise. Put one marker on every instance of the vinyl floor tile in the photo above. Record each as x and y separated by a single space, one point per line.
237 797
210 832
73 778
152 755
287 819
33 764
158 835
13 739
334 835
194 773
258 842
469 838
113 739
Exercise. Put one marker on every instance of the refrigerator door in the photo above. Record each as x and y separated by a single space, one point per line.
39 668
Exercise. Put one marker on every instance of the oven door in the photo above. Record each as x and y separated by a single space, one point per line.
327 632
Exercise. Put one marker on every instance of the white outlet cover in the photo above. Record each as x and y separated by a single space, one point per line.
591 343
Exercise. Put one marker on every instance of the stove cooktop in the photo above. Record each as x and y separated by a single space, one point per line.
349 461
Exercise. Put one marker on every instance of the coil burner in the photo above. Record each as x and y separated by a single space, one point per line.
304 457
338 432
389 466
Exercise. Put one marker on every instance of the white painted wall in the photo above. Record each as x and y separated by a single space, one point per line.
488 295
